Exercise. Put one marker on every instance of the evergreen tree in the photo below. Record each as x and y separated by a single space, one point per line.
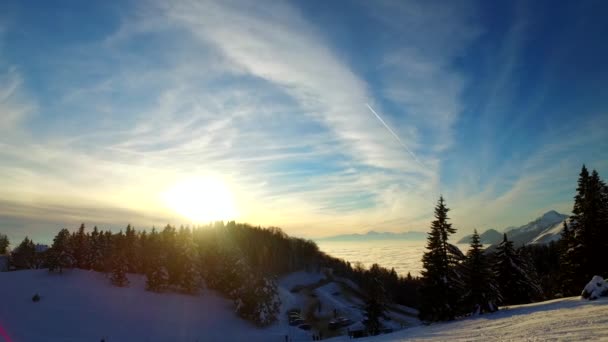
24 256
80 247
481 292
375 306
191 279
157 278
515 277
95 252
589 230
118 272
567 245
439 294
4 243
60 255
257 299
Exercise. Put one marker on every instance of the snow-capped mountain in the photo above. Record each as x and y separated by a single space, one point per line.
546 226
542 230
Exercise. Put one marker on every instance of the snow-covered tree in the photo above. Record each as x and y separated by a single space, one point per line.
481 292
440 282
190 280
118 275
515 277
257 300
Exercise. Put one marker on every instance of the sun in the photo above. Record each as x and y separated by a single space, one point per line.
201 200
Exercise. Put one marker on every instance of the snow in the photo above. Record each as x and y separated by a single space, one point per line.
566 319
596 288
83 306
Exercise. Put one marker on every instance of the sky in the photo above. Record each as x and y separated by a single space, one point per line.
320 117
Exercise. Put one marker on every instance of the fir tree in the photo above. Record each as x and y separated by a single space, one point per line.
81 247
118 272
567 244
23 257
481 292
191 278
589 230
515 277
375 306
439 294
60 255
4 243
157 278
257 299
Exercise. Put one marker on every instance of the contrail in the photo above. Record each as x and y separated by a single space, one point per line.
394 135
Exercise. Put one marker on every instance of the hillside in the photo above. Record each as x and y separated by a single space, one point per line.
567 319
81 305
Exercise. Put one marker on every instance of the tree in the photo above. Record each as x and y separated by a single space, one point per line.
439 292
119 269
481 292
375 306
567 245
80 246
24 256
191 278
157 278
589 230
257 299
515 277
4 243
60 255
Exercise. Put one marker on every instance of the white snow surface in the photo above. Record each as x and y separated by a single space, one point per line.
83 306
596 288
566 319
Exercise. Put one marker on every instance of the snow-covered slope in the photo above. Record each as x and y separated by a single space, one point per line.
83 306
530 231
568 319
552 233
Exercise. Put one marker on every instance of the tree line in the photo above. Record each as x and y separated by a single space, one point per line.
454 284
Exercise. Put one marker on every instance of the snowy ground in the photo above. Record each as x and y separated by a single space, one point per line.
83 306
568 319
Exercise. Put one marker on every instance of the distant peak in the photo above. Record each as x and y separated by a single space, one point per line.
552 213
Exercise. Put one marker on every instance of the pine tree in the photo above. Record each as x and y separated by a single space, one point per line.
191 279
515 277
157 277
60 254
481 292
81 247
4 243
119 269
375 306
589 230
23 257
257 299
439 294
567 244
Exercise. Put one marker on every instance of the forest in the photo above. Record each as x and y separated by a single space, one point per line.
243 262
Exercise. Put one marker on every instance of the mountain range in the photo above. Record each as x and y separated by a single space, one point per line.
544 229
373 235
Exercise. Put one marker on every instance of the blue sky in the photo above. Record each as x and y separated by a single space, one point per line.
105 108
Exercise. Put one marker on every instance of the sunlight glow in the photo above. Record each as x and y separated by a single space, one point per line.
201 200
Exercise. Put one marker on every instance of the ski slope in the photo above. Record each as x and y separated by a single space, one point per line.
83 306
568 319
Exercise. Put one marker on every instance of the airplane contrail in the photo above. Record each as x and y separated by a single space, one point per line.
394 134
